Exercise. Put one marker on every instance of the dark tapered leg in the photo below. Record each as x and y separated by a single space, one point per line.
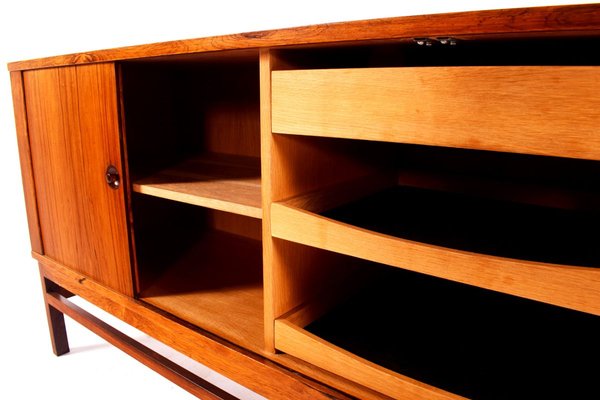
58 332
56 323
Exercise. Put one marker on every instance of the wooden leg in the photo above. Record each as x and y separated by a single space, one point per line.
58 332
167 368
56 323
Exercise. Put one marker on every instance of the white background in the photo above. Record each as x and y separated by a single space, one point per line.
33 29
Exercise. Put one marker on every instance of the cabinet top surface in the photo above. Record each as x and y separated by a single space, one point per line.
538 21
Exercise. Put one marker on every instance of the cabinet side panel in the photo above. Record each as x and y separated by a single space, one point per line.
74 136
16 80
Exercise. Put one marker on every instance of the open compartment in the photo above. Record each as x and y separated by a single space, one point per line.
201 265
514 223
469 50
407 334
192 139
192 127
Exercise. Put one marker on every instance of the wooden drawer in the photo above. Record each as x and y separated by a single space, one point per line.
407 335
293 339
514 225
549 110
545 254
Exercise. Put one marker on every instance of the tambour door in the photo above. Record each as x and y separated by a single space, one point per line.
73 123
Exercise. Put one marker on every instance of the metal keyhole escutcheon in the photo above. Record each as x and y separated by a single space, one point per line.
112 177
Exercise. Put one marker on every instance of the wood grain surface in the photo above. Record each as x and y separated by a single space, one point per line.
254 372
56 322
535 110
221 182
177 374
227 301
216 285
582 19
35 235
294 340
266 61
567 286
74 136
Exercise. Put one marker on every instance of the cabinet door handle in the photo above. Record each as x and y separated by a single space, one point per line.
112 177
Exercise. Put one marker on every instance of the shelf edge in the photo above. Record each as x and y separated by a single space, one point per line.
216 204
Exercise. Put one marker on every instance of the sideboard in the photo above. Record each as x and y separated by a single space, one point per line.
393 208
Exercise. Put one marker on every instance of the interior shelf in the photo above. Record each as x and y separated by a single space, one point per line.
465 340
215 284
477 225
218 181
537 252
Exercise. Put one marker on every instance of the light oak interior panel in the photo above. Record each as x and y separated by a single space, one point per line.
216 285
548 110
306 165
514 223
203 266
563 285
409 335
218 181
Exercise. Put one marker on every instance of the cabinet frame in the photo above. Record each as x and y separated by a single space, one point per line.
284 218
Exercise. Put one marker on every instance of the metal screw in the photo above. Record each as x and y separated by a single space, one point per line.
447 40
423 42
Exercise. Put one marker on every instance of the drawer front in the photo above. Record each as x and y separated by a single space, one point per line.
294 340
545 110
568 286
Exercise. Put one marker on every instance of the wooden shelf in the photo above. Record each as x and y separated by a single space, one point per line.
495 108
476 224
534 252
498 346
217 285
218 181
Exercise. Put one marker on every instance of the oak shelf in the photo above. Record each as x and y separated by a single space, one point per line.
535 252
513 223
483 226
216 285
468 341
218 181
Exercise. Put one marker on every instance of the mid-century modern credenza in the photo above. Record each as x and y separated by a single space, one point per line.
393 208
